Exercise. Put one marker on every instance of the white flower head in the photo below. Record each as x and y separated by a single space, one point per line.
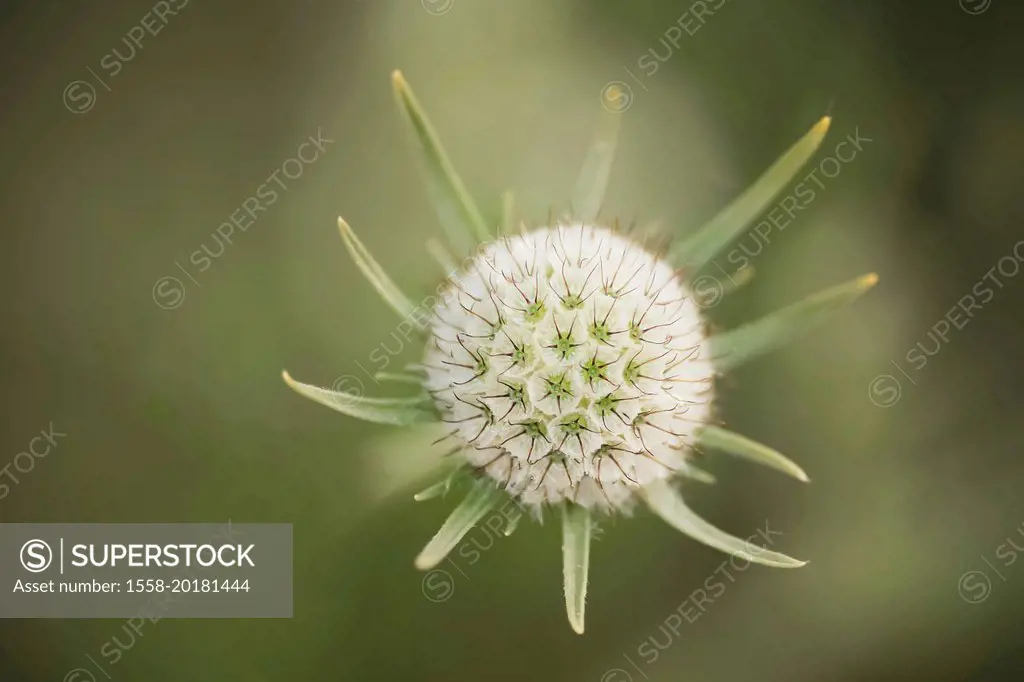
570 365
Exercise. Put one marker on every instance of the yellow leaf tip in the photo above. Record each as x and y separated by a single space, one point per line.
822 126
397 79
869 280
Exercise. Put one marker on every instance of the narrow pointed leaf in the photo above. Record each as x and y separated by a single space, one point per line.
732 348
664 501
697 474
481 499
456 209
741 446
394 297
576 526
699 249
394 411
588 196
436 490
443 486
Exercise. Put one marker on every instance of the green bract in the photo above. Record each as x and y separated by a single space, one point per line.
581 395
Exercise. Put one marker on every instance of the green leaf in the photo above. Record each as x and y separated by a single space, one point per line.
393 411
732 348
698 250
741 446
664 501
436 490
698 474
588 195
576 526
375 273
456 209
443 486
481 499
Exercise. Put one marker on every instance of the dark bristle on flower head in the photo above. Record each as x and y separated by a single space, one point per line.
571 362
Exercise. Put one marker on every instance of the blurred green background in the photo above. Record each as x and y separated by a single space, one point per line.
178 413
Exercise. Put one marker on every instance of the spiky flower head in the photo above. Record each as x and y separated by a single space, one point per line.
570 364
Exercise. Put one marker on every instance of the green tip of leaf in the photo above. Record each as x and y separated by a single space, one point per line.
392 411
820 129
458 213
732 348
430 493
668 504
441 487
481 499
698 475
374 273
867 281
741 446
696 251
576 533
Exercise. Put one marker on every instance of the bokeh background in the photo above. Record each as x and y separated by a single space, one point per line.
174 409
